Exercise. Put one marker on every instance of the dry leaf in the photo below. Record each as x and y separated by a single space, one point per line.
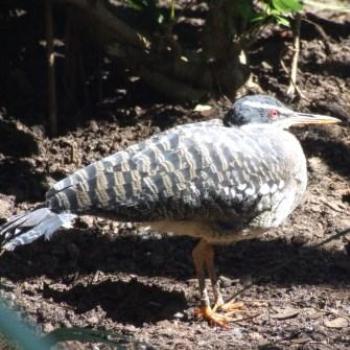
338 322
283 314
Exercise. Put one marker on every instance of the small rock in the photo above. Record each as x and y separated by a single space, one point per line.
338 322
317 165
202 108
93 319
179 315
129 225
66 323
266 65
283 314
225 281
48 327
313 314
114 227
101 147
94 126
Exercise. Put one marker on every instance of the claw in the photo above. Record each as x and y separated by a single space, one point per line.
213 317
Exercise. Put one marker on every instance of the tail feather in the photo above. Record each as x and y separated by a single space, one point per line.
25 228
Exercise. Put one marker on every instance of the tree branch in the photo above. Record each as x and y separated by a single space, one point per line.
120 29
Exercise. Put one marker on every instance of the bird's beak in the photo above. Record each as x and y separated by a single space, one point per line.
298 119
305 118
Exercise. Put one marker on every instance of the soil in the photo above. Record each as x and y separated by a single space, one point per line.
112 276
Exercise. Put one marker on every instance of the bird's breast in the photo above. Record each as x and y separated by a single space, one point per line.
215 232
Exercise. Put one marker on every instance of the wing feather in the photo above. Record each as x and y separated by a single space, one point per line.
189 171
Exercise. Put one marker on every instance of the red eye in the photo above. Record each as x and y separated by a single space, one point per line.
274 114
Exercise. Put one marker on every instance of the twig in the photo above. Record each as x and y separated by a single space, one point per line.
333 207
294 68
322 33
119 28
297 89
52 104
287 262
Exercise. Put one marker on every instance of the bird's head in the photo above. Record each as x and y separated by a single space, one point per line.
268 110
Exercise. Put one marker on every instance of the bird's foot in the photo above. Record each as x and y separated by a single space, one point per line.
213 317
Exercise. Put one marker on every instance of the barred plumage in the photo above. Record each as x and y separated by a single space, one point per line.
217 180
206 173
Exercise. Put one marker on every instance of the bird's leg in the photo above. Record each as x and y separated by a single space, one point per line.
209 262
198 254
229 307
202 253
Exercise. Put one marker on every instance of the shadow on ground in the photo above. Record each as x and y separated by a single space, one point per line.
20 178
125 302
15 142
82 253
335 153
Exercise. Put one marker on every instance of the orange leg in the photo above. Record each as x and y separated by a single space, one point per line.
203 257
198 255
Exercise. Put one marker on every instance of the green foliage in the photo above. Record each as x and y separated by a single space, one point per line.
15 334
287 5
278 11
15 330
258 12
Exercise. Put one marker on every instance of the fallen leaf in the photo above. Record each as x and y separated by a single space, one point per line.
283 314
338 322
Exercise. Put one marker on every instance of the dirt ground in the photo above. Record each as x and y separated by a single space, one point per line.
108 275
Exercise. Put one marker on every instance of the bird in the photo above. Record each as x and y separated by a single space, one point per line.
219 181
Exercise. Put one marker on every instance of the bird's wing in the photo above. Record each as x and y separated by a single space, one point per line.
89 172
189 171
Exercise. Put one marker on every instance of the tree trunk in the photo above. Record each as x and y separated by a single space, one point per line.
213 67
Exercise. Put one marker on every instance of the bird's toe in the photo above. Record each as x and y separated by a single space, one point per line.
213 317
229 307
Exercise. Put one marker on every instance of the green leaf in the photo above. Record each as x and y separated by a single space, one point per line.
287 5
261 17
283 21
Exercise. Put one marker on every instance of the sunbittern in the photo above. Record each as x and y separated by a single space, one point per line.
220 181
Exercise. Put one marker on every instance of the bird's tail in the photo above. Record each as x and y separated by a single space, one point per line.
25 228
